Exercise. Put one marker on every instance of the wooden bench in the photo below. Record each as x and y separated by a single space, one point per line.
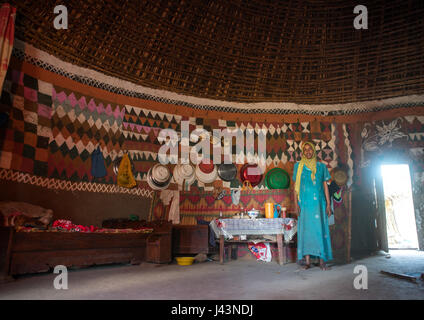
32 252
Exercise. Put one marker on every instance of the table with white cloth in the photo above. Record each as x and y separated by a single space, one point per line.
226 229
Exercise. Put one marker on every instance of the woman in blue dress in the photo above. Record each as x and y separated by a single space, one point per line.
312 207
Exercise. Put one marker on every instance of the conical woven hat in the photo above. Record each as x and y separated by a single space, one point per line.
340 176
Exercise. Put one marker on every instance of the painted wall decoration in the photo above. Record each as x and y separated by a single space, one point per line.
53 131
141 128
57 184
415 132
79 125
352 134
135 126
25 138
403 137
384 134
73 124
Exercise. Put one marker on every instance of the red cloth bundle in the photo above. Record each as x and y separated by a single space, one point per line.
67 225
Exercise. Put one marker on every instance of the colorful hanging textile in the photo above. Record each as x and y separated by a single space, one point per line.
7 32
125 175
98 168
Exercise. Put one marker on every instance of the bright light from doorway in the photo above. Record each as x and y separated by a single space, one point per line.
400 217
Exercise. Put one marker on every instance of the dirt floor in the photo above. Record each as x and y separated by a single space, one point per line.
241 279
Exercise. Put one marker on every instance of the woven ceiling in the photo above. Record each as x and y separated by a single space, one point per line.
247 51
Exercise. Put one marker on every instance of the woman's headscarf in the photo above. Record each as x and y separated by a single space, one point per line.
310 163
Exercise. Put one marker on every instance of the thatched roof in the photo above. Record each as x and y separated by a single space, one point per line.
248 51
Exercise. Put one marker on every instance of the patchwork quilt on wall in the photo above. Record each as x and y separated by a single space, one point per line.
25 139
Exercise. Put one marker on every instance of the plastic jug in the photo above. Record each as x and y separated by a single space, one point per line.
269 210
277 210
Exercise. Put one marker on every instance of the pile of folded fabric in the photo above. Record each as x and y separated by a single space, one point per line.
67 225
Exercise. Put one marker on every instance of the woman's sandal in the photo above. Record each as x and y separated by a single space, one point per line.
323 266
306 266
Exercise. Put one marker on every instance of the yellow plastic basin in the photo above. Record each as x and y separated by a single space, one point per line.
185 261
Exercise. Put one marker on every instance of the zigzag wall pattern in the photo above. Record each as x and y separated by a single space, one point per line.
74 125
141 128
56 184
80 124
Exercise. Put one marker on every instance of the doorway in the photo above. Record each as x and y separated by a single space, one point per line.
400 217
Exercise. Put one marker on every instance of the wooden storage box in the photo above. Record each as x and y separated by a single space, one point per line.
190 239
159 248
158 244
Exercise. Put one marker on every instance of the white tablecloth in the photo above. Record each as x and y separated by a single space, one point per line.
231 227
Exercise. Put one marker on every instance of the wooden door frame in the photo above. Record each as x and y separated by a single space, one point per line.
382 238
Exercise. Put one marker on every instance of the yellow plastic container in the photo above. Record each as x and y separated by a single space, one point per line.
269 210
185 261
